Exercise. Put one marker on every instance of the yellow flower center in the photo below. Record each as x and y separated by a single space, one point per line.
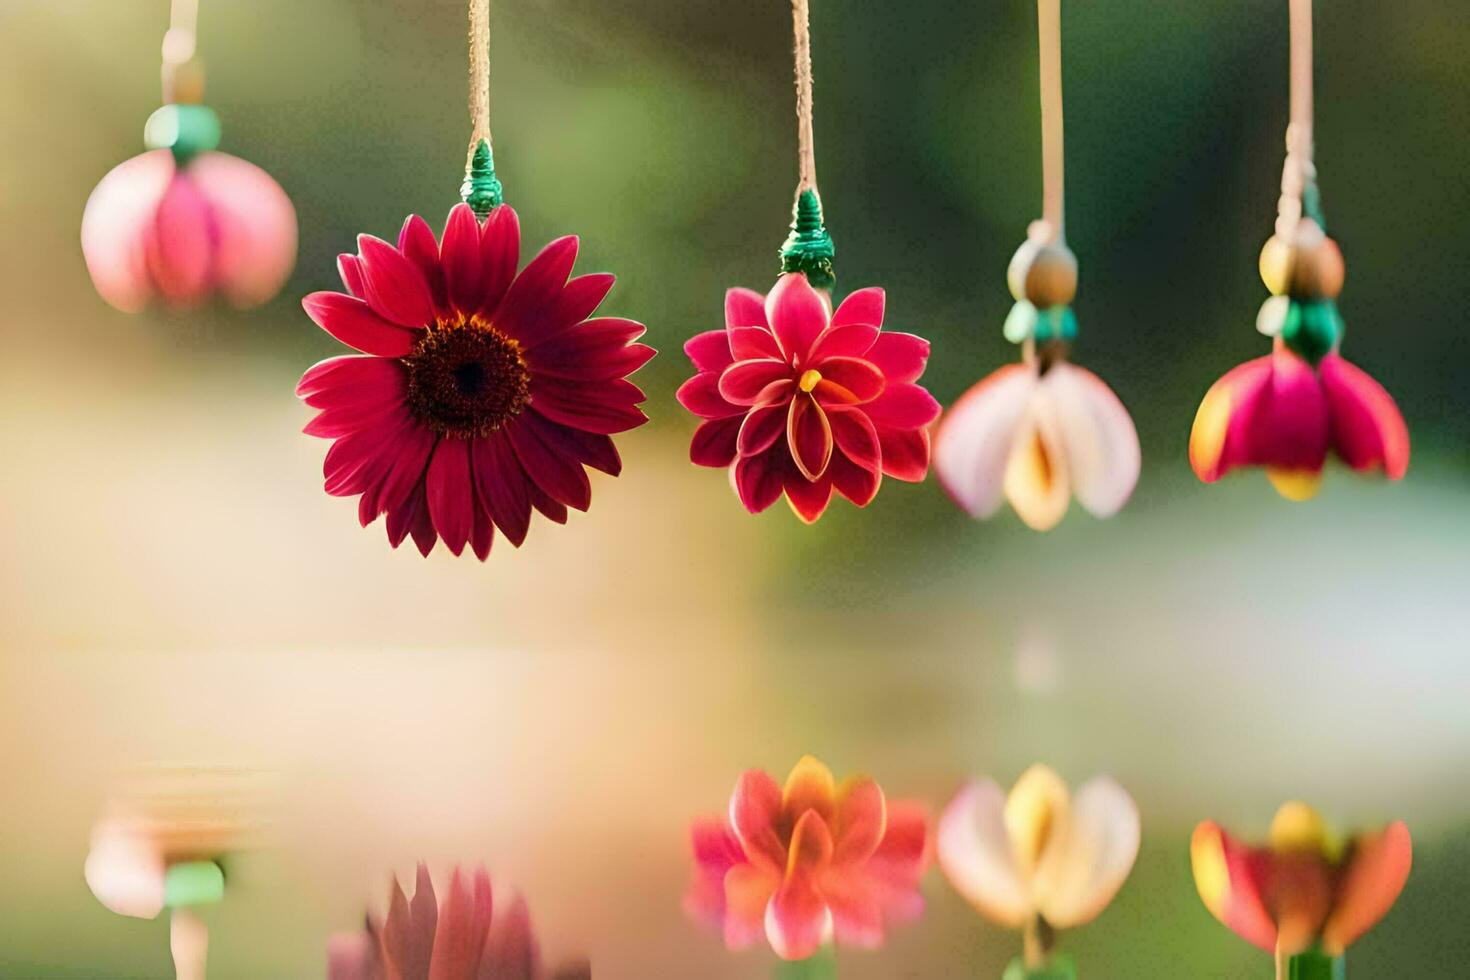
809 380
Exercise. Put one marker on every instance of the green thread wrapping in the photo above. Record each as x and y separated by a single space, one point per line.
1312 205
186 130
1316 965
481 189
1312 328
1061 967
809 248
821 965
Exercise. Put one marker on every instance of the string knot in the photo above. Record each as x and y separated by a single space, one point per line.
809 247
481 189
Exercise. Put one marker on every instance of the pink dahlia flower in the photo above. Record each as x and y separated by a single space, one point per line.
480 393
809 863
1037 438
463 937
800 399
1282 413
215 225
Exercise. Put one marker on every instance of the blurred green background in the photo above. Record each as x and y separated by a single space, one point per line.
175 587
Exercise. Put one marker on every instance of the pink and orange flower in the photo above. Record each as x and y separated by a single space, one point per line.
809 863
481 393
1303 889
802 400
464 936
215 224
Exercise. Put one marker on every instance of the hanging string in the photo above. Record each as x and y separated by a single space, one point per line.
481 189
1049 27
1299 175
809 247
189 943
180 83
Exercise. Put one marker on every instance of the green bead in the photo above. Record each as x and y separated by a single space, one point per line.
822 965
187 130
481 189
1055 323
1312 328
809 248
1316 965
193 883
1061 967
1020 322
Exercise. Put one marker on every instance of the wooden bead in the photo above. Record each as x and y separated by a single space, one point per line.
1318 272
1277 257
1052 278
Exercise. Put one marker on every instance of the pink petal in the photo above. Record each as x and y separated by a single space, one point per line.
760 429
808 498
562 478
605 408
864 306
809 437
459 257
798 314
976 856
745 382
857 913
179 244
902 406
500 255
855 435
353 956
753 343
900 356
846 340
348 372
578 300
118 213
1219 436
848 381
797 920
860 821
1098 438
748 891
755 808
857 484
459 938
595 349
525 312
716 850
511 952
905 453
596 451
744 308
350 269
255 227
701 395
901 860
1367 429
759 481
417 243
1290 427
451 495
353 322
709 351
396 289
501 485
715 441
423 923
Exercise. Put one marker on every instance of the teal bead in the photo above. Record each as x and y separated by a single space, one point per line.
193 883
1056 323
1312 329
809 248
187 130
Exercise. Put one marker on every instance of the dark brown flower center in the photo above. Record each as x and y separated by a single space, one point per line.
465 378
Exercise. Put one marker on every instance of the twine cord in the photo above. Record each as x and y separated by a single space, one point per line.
481 189
180 43
1299 174
805 143
1049 27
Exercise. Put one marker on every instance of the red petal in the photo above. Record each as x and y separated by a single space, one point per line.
597 451
905 453
855 435
1367 429
500 254
451 494
595 349
797 314
501 484
809 437
860 821
348 373
903 406
512 944
755 808
353 322
852 481
849 340
808 498
900 356
759 481
709 351
561 477
760 429
864 306
744 382
528 309
459 256
408 468
753 343
395 288
744 308
178 244
748 891
417 243
605 408
459 938
701 395
350 270
714 442
578 300
848 380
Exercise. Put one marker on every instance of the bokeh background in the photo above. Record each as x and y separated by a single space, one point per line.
176 589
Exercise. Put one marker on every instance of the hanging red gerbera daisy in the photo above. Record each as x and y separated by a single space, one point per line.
480 392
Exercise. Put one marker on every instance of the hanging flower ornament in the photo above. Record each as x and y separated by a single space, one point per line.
1306 896
1287 410
797 398
809 864
463 936
1039 432
183 222
1040 858
481 392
